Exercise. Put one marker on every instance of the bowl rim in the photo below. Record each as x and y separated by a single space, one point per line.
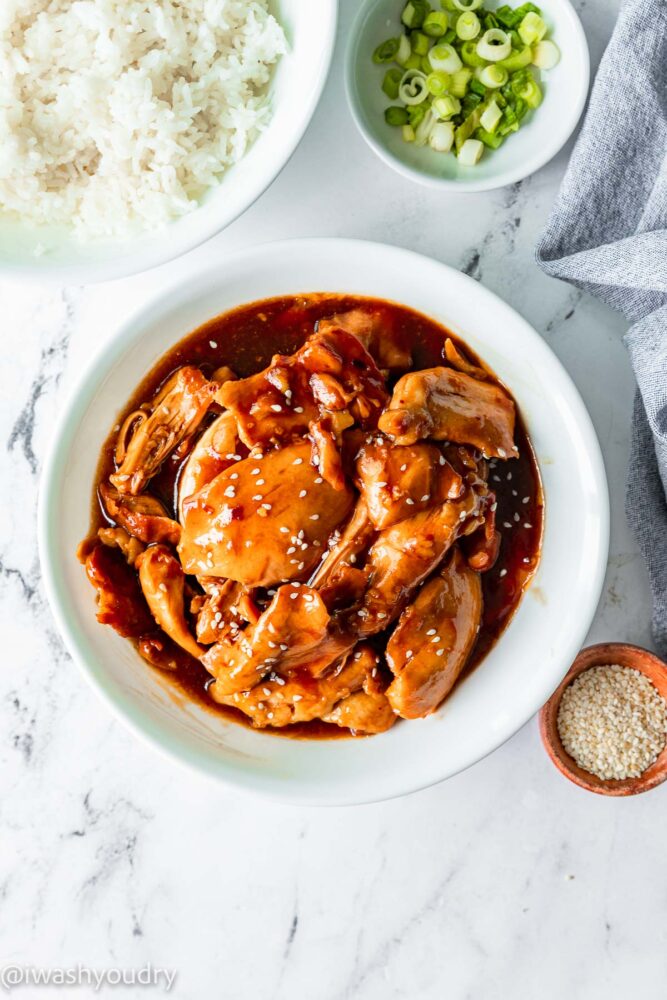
586 659
80 396
162 250
546 152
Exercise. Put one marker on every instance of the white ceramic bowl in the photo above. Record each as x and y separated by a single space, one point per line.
520 672
537 141
295 91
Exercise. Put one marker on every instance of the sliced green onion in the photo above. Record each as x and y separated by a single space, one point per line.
469 55
435 23
438 83
412 88
468 126
546 54
467 4
532 29
441 138
530 92
420 43
490 139
423 130
448 37
507 17
460 81
490 117
425 65
386 51
408 133
517 60
492 76
444 58
414 13
494 45
525 8
396 116
476 87
413 62
446 107
469 103
416 113
468 26
470 152
390 83
489 20
404 50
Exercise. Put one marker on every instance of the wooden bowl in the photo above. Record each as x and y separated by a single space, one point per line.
600 655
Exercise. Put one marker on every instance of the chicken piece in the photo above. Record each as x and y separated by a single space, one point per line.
482 547
347 549
163 586
281 701
143 516
460 362
363 713
325 455
175 412
397 481
446 405
434 638
120 539
263 522
161 652
376 330
214 452
405 554
285 637
331 374
120 602
225 609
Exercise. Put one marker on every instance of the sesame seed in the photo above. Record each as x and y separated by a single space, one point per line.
527 525
439 652
410 502
260 482
303 493
503 572
276 407
525 500
314 517
298 409
408 654
258 496
234 475
297 461
319 480
613 721
404 467
212 344
431 631
284 530
254 472
427 496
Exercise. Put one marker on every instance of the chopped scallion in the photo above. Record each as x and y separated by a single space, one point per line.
494 45
446 107
420 43
532 29
445 58
492 76
470 152
414 13
435 24
546 54
396 116
392 79
438 83
468 26
386 51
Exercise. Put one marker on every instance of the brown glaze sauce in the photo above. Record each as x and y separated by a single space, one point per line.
246 339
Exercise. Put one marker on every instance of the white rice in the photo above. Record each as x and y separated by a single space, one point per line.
120 114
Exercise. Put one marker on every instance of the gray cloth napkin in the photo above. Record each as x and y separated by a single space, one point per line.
607 234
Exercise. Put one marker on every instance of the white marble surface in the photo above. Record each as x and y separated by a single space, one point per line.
505 882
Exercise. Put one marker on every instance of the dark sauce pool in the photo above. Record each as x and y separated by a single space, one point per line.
246 339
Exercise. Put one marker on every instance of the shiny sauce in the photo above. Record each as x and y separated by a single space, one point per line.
246 339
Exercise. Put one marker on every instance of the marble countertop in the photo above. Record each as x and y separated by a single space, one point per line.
505 881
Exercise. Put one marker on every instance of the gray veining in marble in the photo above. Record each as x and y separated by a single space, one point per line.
505 882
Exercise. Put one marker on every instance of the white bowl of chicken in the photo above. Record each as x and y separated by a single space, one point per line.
333 491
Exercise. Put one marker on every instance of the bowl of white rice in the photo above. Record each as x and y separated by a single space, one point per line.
131 131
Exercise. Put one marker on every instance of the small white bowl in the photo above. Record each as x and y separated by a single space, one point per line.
519 673
537 141
54 253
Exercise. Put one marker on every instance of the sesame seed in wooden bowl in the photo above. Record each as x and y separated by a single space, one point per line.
603 655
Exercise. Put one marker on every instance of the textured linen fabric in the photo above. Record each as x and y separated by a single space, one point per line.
607 234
